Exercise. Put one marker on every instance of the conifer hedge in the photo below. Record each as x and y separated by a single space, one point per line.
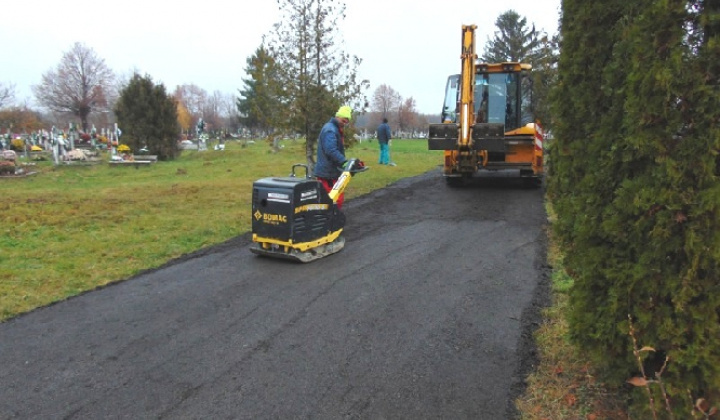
634 180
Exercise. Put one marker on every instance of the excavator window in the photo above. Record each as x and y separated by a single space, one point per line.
481 99
526 106
503 97
497 98
450 107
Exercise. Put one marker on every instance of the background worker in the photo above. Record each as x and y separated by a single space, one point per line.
331 158
383 135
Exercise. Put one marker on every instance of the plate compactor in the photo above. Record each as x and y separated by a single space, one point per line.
295 218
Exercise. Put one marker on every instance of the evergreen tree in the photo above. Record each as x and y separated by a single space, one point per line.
148 117
586 166
316 72
670 199
634 182
513 41
263 101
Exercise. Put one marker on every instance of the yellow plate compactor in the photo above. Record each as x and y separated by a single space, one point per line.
295 218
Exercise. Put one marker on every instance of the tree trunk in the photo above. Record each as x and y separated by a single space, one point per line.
310 154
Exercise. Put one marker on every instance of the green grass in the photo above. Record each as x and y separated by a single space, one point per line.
563 384
69 229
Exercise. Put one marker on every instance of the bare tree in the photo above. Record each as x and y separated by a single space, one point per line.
80 85
194 98
385 100
122 80
388 103
7 94
213 112
407 114
385 104
420 127
227 112
20 118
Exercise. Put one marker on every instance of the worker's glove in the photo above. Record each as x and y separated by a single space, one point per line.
353 165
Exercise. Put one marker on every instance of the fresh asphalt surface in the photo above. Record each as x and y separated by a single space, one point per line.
426 314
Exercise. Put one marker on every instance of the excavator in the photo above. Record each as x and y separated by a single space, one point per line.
487 120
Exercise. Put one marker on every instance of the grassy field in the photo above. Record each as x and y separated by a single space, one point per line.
69 229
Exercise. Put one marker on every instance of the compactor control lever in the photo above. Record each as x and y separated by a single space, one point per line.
350 168
355 165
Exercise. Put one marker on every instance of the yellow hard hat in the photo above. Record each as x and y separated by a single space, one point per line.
344 112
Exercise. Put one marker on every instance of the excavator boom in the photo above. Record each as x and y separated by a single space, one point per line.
467 76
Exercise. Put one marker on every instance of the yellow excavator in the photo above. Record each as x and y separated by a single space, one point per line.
487 120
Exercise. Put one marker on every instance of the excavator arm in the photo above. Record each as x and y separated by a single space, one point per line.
467 87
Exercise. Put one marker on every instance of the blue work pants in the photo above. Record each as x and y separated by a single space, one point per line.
384 154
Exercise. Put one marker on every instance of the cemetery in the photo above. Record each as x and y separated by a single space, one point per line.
20 153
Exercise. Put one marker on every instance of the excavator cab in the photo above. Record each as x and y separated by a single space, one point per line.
502 96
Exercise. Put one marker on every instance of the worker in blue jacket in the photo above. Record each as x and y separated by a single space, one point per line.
331 158
383 135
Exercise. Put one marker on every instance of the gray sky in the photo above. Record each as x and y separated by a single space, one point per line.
412 46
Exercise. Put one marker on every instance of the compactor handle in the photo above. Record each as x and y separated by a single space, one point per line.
350 168
307 170
356 165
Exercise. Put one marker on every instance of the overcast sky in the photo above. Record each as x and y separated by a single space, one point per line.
410 45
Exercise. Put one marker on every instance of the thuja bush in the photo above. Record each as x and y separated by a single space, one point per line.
148 116
635 185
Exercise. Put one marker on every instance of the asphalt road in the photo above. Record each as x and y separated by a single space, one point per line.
426 314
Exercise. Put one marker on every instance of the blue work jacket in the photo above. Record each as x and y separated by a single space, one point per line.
383 133
330 151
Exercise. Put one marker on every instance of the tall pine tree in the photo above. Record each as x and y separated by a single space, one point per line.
263 102
513 40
